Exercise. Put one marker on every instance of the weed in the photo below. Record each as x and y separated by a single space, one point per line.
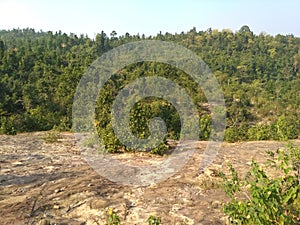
112 218
52 136
153 220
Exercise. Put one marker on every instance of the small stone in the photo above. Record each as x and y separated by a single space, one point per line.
58 190
17 163
215 204
98 204
5 170
200 217
56 207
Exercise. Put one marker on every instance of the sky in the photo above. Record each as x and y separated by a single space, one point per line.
151 16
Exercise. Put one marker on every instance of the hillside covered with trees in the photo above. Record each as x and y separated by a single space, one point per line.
259 75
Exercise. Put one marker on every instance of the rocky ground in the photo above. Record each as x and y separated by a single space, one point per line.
42 181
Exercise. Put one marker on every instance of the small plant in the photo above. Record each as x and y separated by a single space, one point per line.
45 222
209 183
7 125
112 218
260 199
153 220
52 136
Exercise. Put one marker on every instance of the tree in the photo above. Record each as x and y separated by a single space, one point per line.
245 29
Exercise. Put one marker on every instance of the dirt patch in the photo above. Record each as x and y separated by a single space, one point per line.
41 181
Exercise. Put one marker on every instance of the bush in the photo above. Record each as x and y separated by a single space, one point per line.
260 199
52 136
153 220
7 126
139 121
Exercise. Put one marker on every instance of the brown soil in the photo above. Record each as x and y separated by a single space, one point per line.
42 182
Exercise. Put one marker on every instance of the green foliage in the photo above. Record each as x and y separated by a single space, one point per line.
153 220
261 132
139 124
259 75
285 129
231 134
52 136
281 129
261 199
7 126
112 218
205 127
141 113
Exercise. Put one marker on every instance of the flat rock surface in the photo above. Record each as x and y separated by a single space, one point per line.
42 182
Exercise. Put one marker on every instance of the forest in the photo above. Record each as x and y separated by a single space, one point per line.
259 76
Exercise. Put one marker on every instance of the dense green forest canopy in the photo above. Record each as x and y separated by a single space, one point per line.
259 75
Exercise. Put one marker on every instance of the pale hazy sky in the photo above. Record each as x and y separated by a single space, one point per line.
150 17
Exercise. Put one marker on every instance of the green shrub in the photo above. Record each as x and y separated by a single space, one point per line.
52 136
261 132
7 125
153 220
260 199
285 129
139 120
205 127
231 134
114 219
